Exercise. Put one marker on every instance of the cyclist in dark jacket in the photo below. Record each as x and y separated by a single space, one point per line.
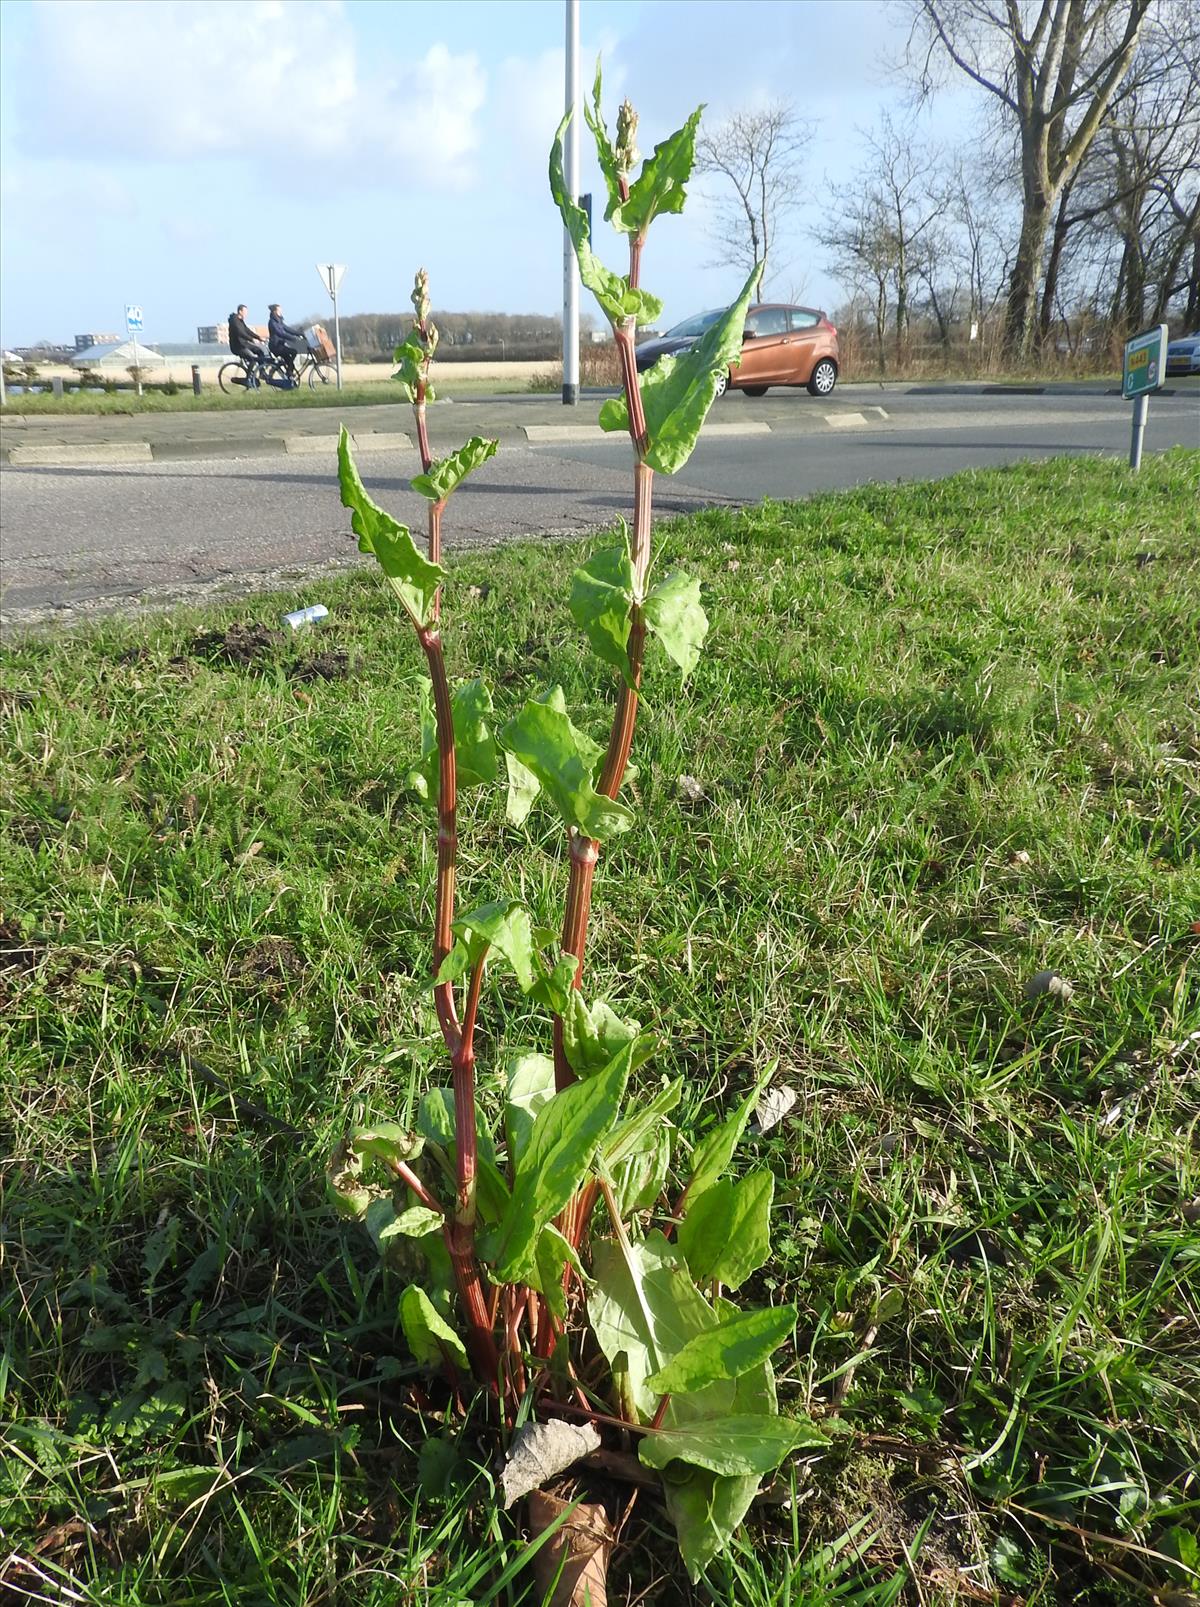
243 342
286 339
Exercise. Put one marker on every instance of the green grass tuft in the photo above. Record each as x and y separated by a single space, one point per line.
946 736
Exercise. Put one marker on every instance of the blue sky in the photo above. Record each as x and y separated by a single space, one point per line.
190 154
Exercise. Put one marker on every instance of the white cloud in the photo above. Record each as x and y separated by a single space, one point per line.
276 82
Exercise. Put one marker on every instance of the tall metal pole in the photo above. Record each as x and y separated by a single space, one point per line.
337 338
570 390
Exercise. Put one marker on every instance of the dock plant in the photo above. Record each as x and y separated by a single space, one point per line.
575 1266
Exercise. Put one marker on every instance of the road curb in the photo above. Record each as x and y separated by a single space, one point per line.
63 456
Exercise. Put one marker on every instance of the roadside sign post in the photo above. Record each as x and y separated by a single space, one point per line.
331 275
1143 371
570 323
134 322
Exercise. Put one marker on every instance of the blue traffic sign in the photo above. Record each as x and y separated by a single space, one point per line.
133 319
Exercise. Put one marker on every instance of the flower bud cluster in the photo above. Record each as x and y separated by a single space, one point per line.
627 153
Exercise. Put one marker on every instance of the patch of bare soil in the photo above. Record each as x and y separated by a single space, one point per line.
242 646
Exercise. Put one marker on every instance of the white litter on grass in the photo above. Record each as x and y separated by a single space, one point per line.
1049 982
773 1105
306 616
541 1450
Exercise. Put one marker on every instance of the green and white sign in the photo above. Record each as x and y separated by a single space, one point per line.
1145 362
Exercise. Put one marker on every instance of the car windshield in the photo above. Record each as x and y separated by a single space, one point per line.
691 327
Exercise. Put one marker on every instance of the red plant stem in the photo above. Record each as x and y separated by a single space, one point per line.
410 1179
447 844
585 850
657 1420
422 429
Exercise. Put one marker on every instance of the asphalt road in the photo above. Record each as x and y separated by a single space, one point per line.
78 539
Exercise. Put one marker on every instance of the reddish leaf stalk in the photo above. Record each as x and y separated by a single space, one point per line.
422 427
584 850
409 1178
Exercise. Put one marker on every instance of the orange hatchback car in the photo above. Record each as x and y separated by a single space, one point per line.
781 345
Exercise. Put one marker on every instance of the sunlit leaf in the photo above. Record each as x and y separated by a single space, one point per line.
412 578
732 1348
729 1444
601 599
618 300
530 1086
447 474
678 391
712 1155
475 761
726 1234
503 926
430 1337
413 1223
592 1035
606 155
561 1147
543 739
659 187
672 611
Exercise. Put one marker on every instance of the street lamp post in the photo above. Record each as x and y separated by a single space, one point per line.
570 388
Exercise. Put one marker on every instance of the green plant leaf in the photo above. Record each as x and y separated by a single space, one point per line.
672 611
474 745
606 154
435 1120
350 1195
677 392
412 578
706 1508
447 474
659 187
634 1134
617 299
530 1087
566 1133
712 1155
735 1346
601 600
502 925
553 1256
641 1177
752 1444
592 1035
644 1308
387 1142
523 788
543 739
726 1234
410 356
414 1223
553 985
429 1336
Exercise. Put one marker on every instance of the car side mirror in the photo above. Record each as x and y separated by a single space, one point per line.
749 334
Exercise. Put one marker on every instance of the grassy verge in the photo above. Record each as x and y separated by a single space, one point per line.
213 400
945 738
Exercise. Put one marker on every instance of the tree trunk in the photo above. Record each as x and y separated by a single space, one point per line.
1020 315
1191 313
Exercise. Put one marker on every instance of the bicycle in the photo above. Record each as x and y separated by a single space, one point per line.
251 373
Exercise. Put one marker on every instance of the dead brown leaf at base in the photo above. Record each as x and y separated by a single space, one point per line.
571 1569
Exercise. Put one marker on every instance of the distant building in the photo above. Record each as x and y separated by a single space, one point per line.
118 355
213 334
83 342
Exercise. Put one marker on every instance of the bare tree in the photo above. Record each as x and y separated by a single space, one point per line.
880 228
1054 69
758 154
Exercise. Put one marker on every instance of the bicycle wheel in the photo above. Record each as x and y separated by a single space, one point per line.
232 378
320 374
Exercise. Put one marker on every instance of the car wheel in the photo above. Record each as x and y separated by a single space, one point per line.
823 377
756 390
722 386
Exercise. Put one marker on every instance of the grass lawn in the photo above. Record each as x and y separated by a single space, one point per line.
266 398
946 737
